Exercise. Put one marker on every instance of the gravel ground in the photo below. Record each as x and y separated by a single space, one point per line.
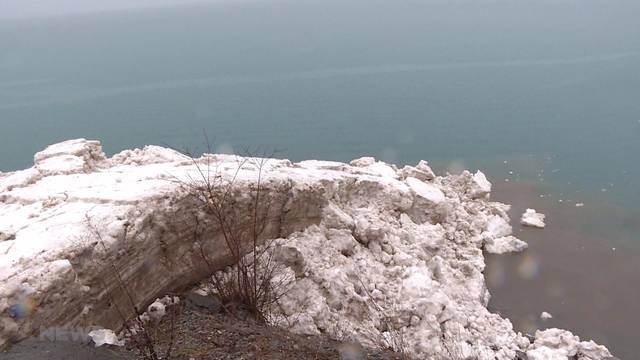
203 334
206 334
34 349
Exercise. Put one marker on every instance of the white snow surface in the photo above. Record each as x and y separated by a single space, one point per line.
532 218
360 234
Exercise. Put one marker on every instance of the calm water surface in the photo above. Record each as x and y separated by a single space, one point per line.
544 94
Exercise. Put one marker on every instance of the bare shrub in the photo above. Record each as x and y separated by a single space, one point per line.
255 281
393 337
453 348
138 330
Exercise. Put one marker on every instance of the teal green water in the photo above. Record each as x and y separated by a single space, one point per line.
551 85
543 92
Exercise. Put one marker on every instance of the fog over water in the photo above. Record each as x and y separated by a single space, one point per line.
29 9
541 95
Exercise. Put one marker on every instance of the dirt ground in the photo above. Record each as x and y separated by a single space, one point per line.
202 335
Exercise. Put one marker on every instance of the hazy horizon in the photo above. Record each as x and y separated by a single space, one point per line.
27 9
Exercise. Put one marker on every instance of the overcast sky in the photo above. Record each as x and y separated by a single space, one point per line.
40 8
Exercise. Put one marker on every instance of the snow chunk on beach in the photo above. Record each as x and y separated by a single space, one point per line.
533 219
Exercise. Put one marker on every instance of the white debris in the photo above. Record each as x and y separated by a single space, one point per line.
533 219
156 310
105 337
546 316
579 204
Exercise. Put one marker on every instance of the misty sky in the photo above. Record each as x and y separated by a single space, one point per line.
40 8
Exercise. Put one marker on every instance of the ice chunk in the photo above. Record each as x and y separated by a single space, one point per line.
480 186
546 316
505 244
427 191
498 227
421 171
533 219
363 161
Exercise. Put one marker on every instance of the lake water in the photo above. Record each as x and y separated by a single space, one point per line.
544 94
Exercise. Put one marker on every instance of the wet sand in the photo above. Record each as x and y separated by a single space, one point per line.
583 268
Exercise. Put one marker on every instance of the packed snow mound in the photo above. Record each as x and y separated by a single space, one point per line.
69 156
532 218
374 250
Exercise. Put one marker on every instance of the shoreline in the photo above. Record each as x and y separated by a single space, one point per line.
576 257
419 236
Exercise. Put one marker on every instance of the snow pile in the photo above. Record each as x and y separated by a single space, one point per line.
375 251
532 218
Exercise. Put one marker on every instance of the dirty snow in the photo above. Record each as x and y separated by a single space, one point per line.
350 235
